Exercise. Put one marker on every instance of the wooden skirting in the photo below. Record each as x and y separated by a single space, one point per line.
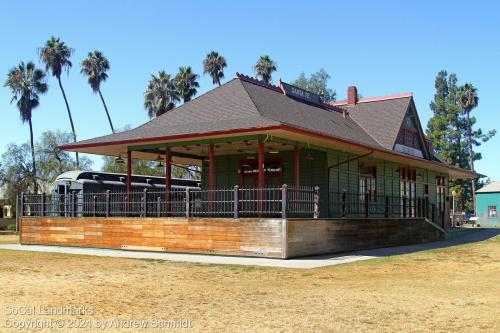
310 237
274 238
244 237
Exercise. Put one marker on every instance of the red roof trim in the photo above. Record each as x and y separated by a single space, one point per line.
374 99
383 150
168 137
268 128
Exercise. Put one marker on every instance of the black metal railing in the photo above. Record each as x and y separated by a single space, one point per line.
283 201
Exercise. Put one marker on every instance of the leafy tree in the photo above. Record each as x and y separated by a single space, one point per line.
448 130
17 172
161 94
265 67
95 67
317 83
214 65
186 83
55 55
51 160
26 83
468 100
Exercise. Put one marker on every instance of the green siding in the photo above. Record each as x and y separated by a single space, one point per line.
483 200
331 181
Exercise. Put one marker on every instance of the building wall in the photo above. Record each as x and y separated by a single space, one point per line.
483 200
315 171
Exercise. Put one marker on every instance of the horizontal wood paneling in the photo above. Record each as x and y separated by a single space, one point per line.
309 237
246 237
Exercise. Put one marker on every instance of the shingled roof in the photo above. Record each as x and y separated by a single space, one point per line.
244 103
380 117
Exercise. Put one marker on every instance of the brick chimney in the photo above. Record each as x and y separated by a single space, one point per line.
352 95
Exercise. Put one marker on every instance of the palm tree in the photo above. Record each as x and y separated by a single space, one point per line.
26 83
468 100
265 67
95 67
214 65
55 55
161 95
186 83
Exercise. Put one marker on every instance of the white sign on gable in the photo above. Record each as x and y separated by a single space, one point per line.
408 150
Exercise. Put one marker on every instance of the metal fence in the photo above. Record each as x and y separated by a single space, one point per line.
235 202
348 204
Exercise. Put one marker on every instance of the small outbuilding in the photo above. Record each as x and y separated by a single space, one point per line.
487 204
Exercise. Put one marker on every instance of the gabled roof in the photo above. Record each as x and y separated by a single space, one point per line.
242 103
490 188
380 117
247 105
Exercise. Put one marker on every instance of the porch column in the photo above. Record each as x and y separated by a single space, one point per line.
296 163
211 177
168 179
261 180
129 182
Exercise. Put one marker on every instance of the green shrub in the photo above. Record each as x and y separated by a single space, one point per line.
11 227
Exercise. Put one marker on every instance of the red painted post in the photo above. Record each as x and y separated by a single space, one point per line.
129 180
168 180
261 180
211 176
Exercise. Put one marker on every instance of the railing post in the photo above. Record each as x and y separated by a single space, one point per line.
366 204
433 208
187 202
316 202
386 206
145 203
158 206
404 206
284 194
43 205
343 204
74 203
236 201
94 205
108 202
22 204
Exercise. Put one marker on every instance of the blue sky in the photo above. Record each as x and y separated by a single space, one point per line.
382 47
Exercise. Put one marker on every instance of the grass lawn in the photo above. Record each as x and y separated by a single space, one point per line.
455 289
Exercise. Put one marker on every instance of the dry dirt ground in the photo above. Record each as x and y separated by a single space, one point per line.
456 289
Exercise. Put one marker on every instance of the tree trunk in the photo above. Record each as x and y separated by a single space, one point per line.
70 120
218 81
35 185
107 112
471 157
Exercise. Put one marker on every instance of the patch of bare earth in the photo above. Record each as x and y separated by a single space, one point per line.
455 289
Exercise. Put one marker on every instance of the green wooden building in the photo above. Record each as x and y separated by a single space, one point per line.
367 157
487 205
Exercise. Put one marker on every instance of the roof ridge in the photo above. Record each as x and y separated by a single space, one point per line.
257 81
375 98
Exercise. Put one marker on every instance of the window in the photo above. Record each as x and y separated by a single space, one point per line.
408 187
492 212
440 195
368 183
